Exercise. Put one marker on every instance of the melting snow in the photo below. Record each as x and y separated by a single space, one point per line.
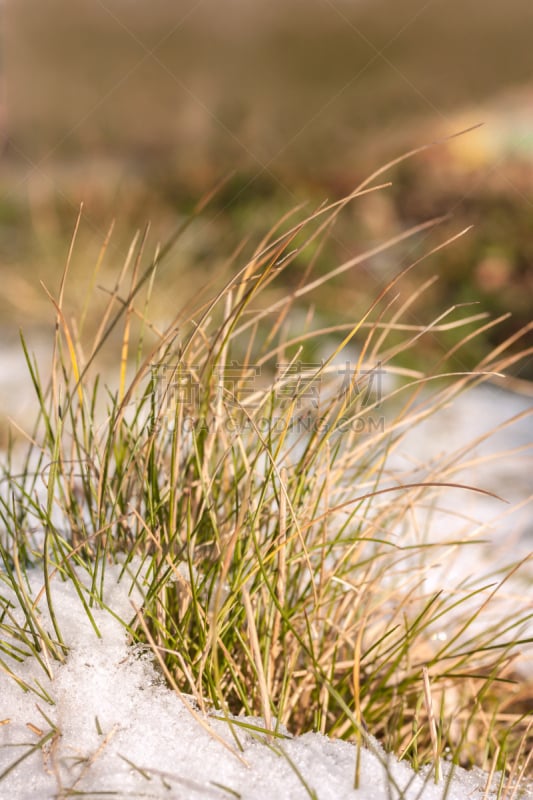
120 731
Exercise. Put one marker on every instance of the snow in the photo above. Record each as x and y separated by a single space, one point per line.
119 730
483 439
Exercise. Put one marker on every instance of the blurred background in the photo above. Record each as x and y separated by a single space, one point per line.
140 108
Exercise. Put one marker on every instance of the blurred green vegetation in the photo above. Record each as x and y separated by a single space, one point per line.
138 109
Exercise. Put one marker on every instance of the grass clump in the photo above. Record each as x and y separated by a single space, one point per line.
237 464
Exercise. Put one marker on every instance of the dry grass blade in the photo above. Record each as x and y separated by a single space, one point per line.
246 487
